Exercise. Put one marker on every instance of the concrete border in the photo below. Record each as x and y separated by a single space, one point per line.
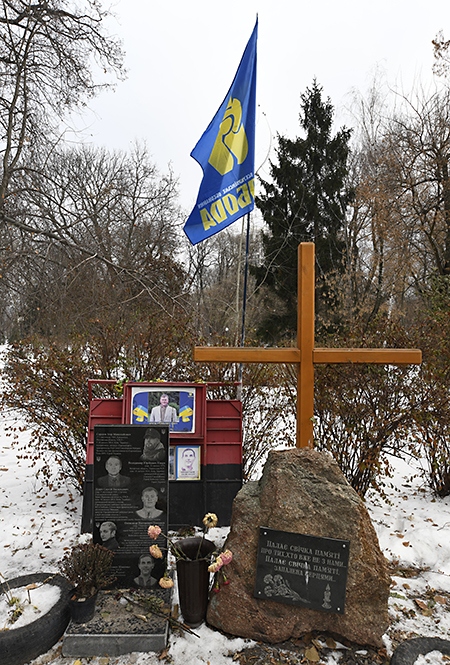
114 631
85 645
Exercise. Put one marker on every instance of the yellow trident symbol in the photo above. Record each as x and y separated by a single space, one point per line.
231 141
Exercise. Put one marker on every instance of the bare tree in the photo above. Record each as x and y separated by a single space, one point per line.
216 268
374 276
398 232
96 234
48 51
418 142
441 50
51 54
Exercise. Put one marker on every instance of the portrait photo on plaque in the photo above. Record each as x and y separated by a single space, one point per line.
187 462
156 405
154 503
113 473
153 448
145 577
108 535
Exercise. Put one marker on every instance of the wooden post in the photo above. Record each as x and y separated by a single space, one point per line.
305 344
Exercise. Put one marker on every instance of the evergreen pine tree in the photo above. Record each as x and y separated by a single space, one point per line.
306 201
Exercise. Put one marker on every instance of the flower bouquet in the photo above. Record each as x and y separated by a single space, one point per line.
195 559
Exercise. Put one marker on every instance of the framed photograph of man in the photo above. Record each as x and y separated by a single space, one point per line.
156 405
187 463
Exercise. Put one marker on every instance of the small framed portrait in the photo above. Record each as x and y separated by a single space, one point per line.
187 463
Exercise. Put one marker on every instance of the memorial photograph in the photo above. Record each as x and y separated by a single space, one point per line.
187 463
155 405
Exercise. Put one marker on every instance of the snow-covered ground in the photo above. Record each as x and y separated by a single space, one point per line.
413 528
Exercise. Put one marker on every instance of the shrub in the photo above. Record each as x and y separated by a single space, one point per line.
364 412
86 567
46 387
269 410
431 417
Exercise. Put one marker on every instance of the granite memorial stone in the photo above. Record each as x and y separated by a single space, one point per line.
303 492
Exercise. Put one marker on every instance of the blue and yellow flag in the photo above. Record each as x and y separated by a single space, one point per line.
226 153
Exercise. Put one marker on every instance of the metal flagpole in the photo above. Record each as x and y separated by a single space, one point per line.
238 283
244 295
244 302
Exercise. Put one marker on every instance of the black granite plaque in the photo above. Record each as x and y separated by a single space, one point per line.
131 490
302 570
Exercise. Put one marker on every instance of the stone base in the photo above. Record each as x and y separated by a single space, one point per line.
116 630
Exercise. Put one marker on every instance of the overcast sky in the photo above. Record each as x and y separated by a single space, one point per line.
182 56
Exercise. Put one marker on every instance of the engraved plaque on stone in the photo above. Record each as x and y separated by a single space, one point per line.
131 490
302 570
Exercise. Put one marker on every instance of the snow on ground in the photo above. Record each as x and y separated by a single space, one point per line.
413 527
36 524
32 604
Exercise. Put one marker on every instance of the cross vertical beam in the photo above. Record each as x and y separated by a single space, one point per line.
305 344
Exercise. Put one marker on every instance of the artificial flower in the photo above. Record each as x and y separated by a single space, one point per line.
154 531
166 582
214 567
156 552
226 557
210 521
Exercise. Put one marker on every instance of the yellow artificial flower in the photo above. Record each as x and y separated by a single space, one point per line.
210 520
166 582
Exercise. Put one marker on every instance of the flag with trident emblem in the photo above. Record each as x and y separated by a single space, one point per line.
226 153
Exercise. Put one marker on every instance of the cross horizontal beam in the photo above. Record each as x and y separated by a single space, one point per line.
376 356
319 356
237 354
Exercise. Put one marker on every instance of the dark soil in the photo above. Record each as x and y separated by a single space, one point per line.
114 614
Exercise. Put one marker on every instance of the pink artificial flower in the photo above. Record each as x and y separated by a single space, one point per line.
226 557
154 531
155 552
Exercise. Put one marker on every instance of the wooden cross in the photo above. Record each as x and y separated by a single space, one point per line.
305 354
